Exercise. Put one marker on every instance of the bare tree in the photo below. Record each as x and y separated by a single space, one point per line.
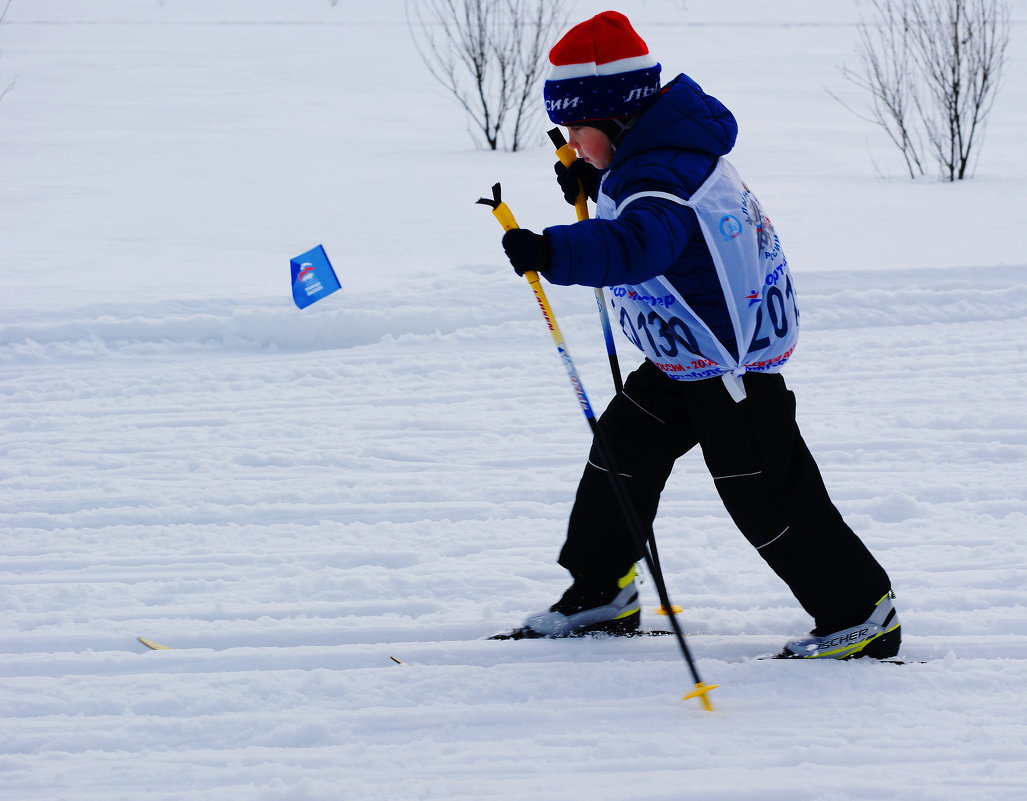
960 48
884 72
931 68
488 54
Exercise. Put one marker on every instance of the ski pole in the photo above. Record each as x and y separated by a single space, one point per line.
506 219
567 156
502 213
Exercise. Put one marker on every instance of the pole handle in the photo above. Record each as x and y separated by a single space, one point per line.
505 216
567 157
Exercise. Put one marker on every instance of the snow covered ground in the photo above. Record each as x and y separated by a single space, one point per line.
291 498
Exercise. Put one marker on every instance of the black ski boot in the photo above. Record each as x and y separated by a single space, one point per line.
588 606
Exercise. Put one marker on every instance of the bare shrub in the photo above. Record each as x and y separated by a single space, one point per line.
932 68
490 56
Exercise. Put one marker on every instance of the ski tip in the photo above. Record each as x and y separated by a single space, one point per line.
528 634
153 646
522 633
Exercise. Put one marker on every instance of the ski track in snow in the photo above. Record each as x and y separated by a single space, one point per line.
288 515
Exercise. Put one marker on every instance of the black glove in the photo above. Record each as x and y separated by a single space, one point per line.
526 250
568 178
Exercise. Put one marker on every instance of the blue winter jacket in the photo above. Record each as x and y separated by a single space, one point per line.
672 148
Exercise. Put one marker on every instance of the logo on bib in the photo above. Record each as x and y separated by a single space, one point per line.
664 301
730 227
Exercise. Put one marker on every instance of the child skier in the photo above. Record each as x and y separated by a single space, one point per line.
695 276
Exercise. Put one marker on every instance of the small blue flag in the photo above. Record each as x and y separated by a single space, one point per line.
312 277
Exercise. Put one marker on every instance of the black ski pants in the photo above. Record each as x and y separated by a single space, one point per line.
765 475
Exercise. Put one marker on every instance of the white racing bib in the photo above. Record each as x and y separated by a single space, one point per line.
754 278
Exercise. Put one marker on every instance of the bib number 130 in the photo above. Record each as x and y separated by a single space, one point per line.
651 333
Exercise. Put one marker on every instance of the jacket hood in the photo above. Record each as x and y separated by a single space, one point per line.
683 118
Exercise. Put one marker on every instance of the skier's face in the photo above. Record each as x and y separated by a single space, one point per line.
592 145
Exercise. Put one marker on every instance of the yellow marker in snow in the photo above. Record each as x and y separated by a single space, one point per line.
153 646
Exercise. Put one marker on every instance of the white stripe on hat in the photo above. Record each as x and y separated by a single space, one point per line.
561 72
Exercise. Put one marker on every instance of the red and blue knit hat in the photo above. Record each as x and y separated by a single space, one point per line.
601 69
